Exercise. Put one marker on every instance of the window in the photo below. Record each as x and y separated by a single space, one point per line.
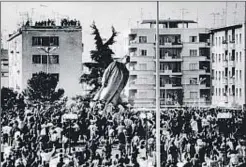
44 59
193 38
216 91
240 56
236 91
240 74
219 58
233 71
216 41
36 59
143 66
212 57
216 75
240 92
237 56
226 72
193 66
193 95
240 38
223 57
193 81
233 55
45 41
193 52
143 52
236 38
142 39
233 90
219 91
219 74
54 59
219 41
56 75
236 75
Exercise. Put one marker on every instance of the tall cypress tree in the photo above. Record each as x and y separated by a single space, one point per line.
101 56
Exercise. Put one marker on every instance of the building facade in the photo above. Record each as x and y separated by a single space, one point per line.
4 68
184 65
49 48
228 66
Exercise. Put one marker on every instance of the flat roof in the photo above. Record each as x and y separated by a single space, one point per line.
226 28
153 21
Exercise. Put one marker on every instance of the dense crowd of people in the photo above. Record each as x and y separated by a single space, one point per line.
117 136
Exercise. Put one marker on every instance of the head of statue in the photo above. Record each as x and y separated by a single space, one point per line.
126 59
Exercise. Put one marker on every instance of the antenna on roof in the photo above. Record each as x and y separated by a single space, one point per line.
235 13
182 15
141 14
214 17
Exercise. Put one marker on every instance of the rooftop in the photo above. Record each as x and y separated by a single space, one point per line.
167 21
46 25
226 28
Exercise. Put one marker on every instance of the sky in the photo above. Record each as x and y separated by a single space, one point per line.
122 15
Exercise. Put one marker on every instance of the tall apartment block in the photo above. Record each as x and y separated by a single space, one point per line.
4 68
184 65
228 66
54 49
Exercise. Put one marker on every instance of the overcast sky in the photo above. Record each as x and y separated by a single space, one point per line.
121 15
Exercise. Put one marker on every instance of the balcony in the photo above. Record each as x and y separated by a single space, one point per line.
171 86
141 72
232 44
231 63
232 80
225 63
170 72
171 45
225 80
170 59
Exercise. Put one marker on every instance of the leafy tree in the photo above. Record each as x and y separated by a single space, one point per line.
101 56
11 99
42 88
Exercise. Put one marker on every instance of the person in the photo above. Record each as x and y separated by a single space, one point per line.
114 80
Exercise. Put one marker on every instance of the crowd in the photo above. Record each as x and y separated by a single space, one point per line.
49 22
116 136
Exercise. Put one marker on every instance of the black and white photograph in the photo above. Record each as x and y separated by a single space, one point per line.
123 84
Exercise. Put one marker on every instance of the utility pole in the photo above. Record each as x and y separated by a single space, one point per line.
158 115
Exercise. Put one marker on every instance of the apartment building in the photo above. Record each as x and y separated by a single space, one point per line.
184 65
228 66
4 68
54 49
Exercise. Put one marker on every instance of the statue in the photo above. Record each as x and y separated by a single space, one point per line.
114 80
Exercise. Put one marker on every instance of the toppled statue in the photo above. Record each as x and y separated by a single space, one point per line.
114 80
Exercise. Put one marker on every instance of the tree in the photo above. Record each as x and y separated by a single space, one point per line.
11 99
102 57
42 88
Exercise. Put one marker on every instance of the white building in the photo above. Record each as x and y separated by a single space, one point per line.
4 68
228 66
184 65
30 47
